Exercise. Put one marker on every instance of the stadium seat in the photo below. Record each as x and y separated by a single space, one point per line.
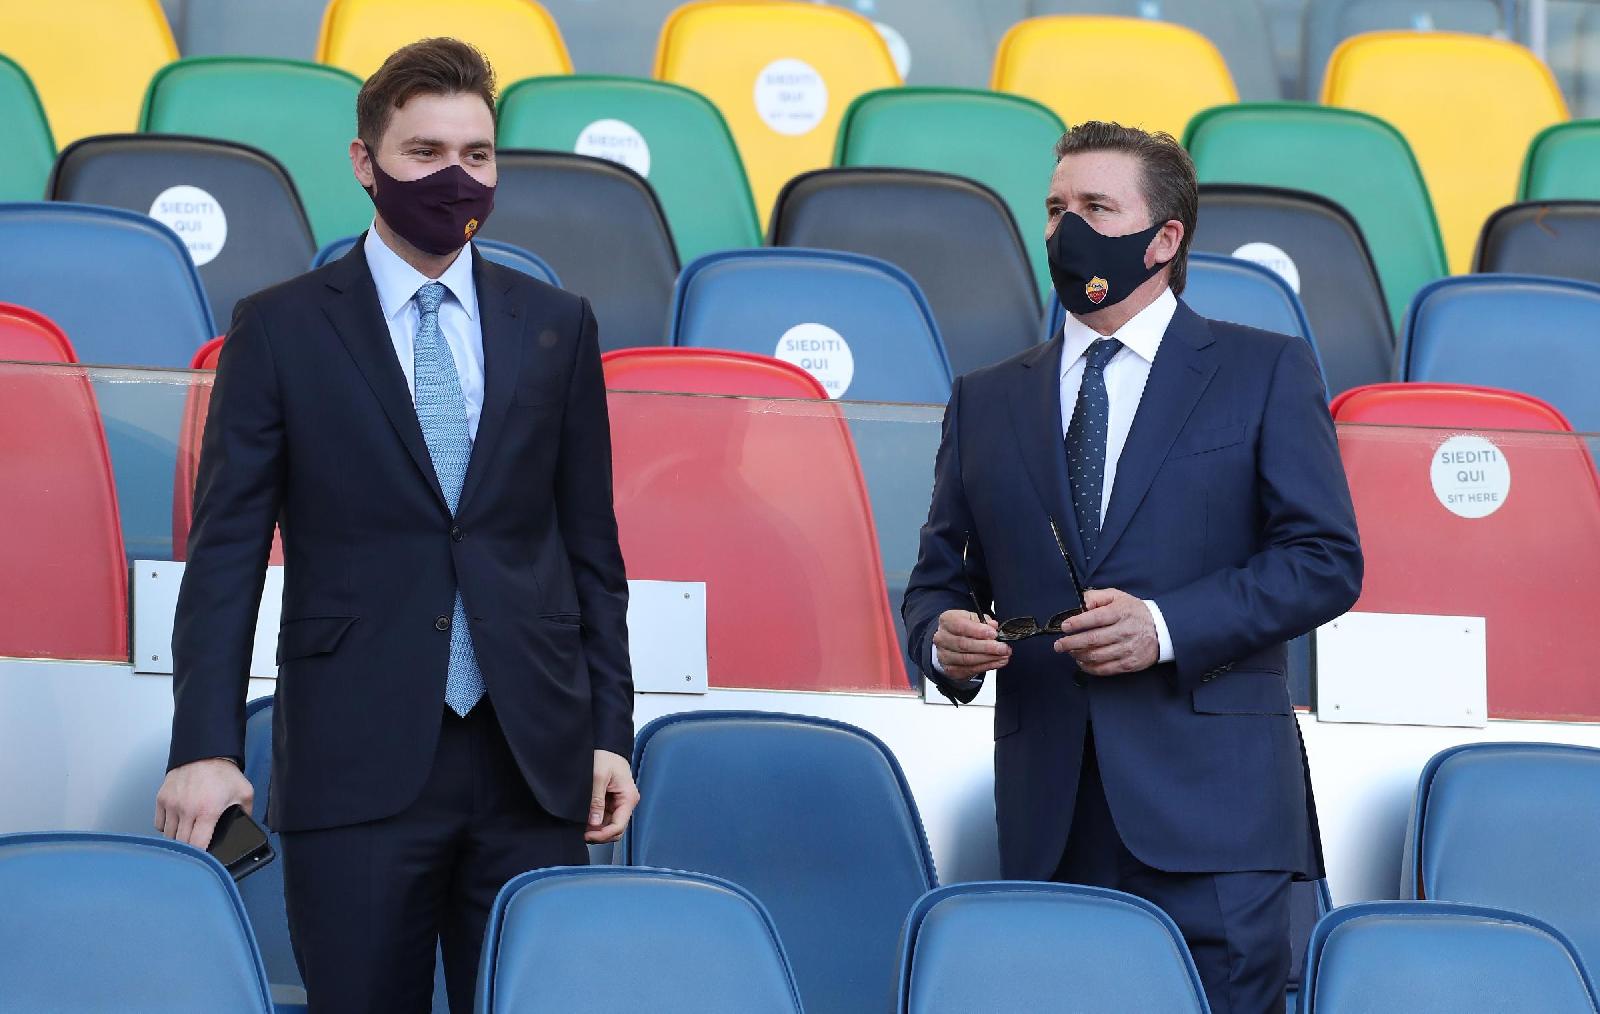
1357 161
708 371
283 28
715 490
673 137
518 37
1468 105
1551 238
28 153
89 59
27 336
610 940
1140 73
827 836
1536 335
1455 406
1560 163
101 922
262 891
1511 825
782 74
858 324
1329 22
206 356
1004 142
1318 249
1309 901
955 237
1410 957
302 114
1020 946
234 206
498 251
603 230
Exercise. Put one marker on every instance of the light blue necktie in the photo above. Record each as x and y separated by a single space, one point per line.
442 411
1086 442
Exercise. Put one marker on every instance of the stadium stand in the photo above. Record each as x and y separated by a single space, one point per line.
1389 957
498 251
27 336
954 236
671 136
858 324
828 837
519 37
99 922
1330 22
782 74
1447 406
1038 943
1148 74
1570 31
1561 160
283 28
1469 106
1551 238
29 151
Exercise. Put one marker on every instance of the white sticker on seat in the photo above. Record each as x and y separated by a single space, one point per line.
791 96
1471 476
822 352
196 217
615 141
1274 258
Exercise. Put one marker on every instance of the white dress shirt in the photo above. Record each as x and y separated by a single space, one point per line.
397 284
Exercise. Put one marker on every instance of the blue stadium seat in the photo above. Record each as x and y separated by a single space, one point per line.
858 324
813 816
1540 336
1429 957
103 922
612 940
1309 901
1511 825
1020 946
509 254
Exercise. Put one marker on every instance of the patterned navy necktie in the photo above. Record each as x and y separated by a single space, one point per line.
1086 442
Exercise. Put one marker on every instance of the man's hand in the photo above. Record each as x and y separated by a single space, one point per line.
967 645
194 795
1115 634
614 797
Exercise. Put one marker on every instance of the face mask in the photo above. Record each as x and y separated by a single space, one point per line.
1091 271
437 214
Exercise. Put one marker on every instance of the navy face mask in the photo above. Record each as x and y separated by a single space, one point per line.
1091 271
438 213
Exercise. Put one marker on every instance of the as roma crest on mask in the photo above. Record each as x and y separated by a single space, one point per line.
472 227
1096 289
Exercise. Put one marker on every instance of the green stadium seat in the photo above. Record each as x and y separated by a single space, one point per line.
29 152
1563 163
1353 159
673 137
302 114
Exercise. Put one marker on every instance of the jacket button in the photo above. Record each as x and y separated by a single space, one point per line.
442 623
455 533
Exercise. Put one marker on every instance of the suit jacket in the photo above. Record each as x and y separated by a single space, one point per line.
1230 510
312 425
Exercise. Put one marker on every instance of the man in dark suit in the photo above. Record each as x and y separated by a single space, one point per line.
454 700
1190 468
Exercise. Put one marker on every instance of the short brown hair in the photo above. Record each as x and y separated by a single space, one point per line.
428 67
1169 183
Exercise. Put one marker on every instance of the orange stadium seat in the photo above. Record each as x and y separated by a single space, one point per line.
519 37
29 336
1449 405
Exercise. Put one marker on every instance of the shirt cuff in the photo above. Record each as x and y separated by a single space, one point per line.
936 666
1163 638
970 680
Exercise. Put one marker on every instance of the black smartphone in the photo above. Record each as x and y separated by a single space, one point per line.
239 843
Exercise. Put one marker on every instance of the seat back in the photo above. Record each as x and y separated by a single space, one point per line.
603 230
708 371
1309 901
1330 22
612 941
1552 238
1511 825
803 64
499 251
1447 406
1317 248
90 60
954 236
829 838
233 206
26 157
1150 74
1468 105
673 137
1357 161
114 922
302 114
518 37
1389 957
262 891
283 28
1475 330
858 324
28 336
1560 163
1002 141
1038 944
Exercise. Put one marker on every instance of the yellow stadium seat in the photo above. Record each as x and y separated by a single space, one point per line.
1468 104
89 59
1140 73
519 37
782 73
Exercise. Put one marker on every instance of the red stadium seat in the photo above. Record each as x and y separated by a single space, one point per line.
28 336
206 356
765 502
1425 404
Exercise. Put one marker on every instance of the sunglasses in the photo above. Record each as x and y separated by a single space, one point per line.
1023 627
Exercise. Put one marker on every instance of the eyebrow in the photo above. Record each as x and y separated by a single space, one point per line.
433 142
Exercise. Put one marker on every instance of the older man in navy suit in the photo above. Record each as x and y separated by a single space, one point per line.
1185 471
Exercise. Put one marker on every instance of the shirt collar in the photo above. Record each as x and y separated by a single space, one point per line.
398 281
1142 334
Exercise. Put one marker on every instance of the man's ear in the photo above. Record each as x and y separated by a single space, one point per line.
1164 244
361 163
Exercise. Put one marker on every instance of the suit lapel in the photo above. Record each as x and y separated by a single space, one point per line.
1183 368
1036 422
502 362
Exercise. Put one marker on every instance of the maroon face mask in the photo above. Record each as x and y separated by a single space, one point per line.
437 214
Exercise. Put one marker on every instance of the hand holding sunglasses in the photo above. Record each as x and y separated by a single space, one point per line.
1023 627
